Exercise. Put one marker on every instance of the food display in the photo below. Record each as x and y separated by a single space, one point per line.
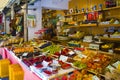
57 62
4 37
64 65
74 43
112 71
52 49
79 65
98 62
23 49
78 75
77 35
11 41
107 46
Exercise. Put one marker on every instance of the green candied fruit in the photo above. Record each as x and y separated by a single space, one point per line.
79 64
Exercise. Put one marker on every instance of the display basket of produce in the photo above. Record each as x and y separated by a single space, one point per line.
78 35
71 44
99 62
107 46
79 65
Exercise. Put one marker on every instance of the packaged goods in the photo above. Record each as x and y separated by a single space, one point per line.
4 70
16 72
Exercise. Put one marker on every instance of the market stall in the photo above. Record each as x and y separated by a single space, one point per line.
49 61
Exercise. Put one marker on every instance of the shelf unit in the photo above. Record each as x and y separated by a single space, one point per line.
95 25
112 8
105 9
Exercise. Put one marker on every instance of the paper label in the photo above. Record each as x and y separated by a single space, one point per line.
95 78
110 68
71 52
25 54
116 64
45 64
82 55
55 62
63 58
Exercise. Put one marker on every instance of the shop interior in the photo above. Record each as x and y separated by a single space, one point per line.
60 40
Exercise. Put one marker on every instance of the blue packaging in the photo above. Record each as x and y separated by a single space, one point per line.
4 78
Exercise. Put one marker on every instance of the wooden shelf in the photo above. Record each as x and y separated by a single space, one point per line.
110 39
74 26
74 14
109 25
117 7
112 8
88 25
95 25
83 25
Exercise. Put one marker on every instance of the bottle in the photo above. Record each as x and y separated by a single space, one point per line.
107 3
117 2
76 9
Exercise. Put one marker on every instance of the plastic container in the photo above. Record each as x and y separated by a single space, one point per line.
4 78
4 68
16 72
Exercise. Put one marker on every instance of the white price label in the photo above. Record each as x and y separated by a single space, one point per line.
95 78
55 62
71 53
82 55
116 64
110 68
45 64
25 54
63 58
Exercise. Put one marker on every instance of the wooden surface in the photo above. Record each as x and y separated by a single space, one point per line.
110 39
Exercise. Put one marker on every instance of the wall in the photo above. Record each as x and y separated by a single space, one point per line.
55 4
38 15
85 3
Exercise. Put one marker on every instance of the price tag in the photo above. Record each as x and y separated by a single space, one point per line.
49 69
63 58
95 78
110 68
45 64
71 52
116 64
82 55
55 62
25 54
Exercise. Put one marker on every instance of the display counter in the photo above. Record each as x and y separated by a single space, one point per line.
28 75
97 63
